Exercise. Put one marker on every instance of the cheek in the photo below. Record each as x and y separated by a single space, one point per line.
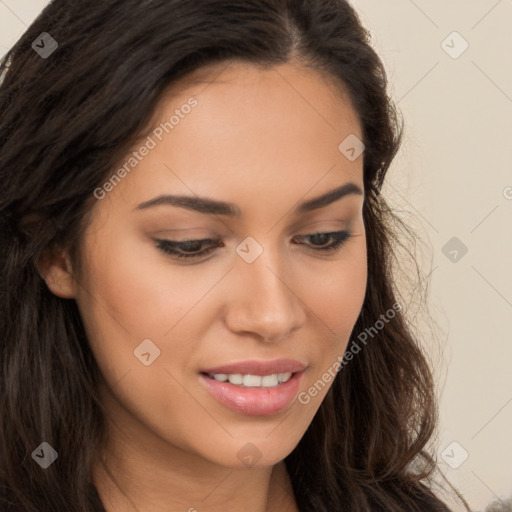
121 304
135 290
128 299
338 308
134 294
338 297
339 293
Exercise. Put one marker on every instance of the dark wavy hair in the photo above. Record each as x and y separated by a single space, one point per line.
66 122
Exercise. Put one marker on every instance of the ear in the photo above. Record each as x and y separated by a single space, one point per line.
54 266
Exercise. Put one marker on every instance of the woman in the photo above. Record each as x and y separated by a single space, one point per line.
198 309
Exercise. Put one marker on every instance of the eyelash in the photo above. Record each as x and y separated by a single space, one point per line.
170 246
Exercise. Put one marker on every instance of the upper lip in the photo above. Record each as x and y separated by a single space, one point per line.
254 367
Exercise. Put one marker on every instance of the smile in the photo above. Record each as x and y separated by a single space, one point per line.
266 381
257 388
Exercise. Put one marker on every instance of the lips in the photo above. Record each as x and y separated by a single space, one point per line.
258 367
255 401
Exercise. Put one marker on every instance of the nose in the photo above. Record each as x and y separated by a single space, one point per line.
266 301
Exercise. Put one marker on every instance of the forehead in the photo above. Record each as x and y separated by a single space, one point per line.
251 129
244 87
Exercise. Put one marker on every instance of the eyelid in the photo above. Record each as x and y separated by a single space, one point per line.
338 239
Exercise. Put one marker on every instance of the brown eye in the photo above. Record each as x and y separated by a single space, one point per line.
188 248
319 240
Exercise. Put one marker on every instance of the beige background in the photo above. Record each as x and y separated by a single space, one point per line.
454 177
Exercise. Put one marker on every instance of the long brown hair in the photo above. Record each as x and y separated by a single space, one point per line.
66 120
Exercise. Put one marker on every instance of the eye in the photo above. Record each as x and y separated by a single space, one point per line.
188 248
195 248
338 239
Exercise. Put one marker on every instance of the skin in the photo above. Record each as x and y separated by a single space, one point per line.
265 140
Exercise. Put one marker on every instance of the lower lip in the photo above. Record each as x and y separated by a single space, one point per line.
254 401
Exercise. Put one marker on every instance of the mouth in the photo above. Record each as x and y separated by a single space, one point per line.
260 368
255 388
251 381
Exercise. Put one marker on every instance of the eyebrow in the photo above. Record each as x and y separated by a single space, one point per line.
215 207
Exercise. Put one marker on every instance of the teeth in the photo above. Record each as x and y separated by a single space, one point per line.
253 381
269 380
284 377
236 378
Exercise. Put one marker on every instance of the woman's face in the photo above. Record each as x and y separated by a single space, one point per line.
259 296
